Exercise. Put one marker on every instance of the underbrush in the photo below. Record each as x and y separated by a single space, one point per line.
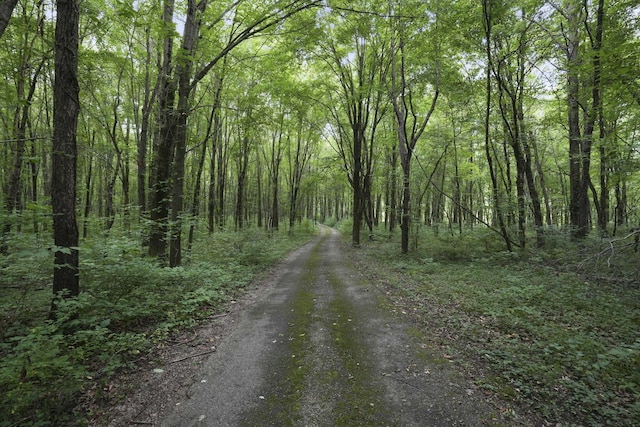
128 304
555 331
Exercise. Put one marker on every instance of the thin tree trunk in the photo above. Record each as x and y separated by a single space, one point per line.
487 21
87 191
21 122
34 182
215 142
243 163
274 172
393 208
143 141
195 203
222 158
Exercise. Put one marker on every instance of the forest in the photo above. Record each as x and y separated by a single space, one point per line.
156 156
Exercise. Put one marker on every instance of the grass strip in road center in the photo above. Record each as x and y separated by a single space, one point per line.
283 402
362 402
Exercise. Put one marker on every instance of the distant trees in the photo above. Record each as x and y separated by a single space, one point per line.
180 77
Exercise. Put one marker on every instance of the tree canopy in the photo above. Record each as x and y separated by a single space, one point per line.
518 117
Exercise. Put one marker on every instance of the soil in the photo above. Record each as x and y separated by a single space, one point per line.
312 344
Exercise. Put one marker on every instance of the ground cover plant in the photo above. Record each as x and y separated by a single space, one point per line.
554 332
128 305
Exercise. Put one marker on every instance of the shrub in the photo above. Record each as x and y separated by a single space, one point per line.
127 305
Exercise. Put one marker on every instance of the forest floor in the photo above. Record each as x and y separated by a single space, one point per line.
314 343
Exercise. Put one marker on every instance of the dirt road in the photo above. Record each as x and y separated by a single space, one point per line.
318 347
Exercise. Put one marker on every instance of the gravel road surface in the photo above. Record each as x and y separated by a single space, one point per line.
320 347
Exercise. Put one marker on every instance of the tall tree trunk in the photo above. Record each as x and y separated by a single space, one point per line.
34 182
488 24
21 123
603 212
393 205
274 172
297 165
163 146
221 181
243 165
66 107
357 182
621 202
579 142
87 192
110 212
125 172
543 185
195 203
143 140
215 142
184 67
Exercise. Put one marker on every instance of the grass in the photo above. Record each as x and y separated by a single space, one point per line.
555 333
128 304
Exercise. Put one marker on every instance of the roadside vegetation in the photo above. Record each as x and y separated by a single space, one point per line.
553 333
128 306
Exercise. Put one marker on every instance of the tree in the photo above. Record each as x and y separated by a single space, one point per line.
574 15
487 15
360 63
510 66
66 107
298 157
410 127
181 79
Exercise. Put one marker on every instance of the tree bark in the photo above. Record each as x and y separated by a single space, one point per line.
221 181
66 107
215 142
274 172
6 10
297 164
163 146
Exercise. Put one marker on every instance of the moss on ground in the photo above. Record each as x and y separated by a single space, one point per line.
362 401
283 403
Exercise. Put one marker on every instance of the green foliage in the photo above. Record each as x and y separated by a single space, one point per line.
128 305
538 329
